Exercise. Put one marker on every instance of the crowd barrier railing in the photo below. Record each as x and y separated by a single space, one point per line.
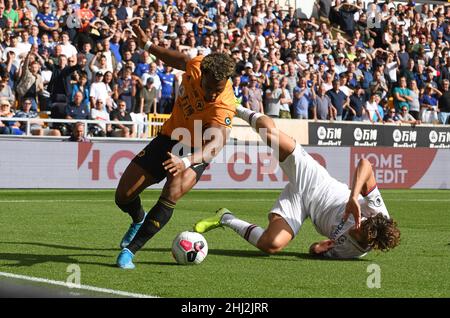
155 122
148 128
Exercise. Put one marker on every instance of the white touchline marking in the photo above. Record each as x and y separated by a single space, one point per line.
73 286
200 200
147 200
418 200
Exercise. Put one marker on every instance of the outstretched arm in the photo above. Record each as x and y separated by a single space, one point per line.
172 58
363 182
215 138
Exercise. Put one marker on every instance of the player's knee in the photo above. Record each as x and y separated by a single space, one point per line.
270 245
364 162
121 197
173 194
177 187
270 249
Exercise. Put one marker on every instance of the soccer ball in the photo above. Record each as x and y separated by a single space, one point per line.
189 248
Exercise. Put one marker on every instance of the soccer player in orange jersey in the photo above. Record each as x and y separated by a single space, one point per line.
205 100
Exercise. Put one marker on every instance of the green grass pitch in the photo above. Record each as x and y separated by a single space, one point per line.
44 231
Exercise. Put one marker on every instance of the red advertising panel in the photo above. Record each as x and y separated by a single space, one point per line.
394 167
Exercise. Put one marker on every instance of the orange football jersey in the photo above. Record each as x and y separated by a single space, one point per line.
190 106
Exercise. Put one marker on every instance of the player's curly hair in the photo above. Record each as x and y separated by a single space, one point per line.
382 232
220 65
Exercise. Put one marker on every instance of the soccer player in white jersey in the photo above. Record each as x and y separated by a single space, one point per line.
354 220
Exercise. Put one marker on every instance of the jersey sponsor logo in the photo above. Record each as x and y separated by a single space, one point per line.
188 110
337 230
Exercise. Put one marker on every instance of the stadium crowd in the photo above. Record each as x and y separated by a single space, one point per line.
374 62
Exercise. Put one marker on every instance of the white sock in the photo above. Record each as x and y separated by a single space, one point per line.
251 232
248 115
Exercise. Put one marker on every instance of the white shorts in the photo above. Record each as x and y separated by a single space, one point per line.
306 179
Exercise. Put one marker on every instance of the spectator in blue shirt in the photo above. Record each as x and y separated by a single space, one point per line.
346 12
338 99
367 77
167 90
237 88
429 104
248 71
77 109
47 21
142 67
357 102
302 101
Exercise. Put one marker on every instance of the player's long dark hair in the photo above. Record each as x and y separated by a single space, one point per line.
220 65
382 232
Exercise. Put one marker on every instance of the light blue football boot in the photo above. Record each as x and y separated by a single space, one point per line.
125 259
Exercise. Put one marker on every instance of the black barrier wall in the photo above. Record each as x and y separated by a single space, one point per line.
369 135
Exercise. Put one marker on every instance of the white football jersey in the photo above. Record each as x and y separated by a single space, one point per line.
312 192
345 245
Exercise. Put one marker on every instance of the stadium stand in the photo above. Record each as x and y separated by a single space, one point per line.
314 57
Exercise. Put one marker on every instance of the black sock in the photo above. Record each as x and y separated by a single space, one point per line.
134 209
158 216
